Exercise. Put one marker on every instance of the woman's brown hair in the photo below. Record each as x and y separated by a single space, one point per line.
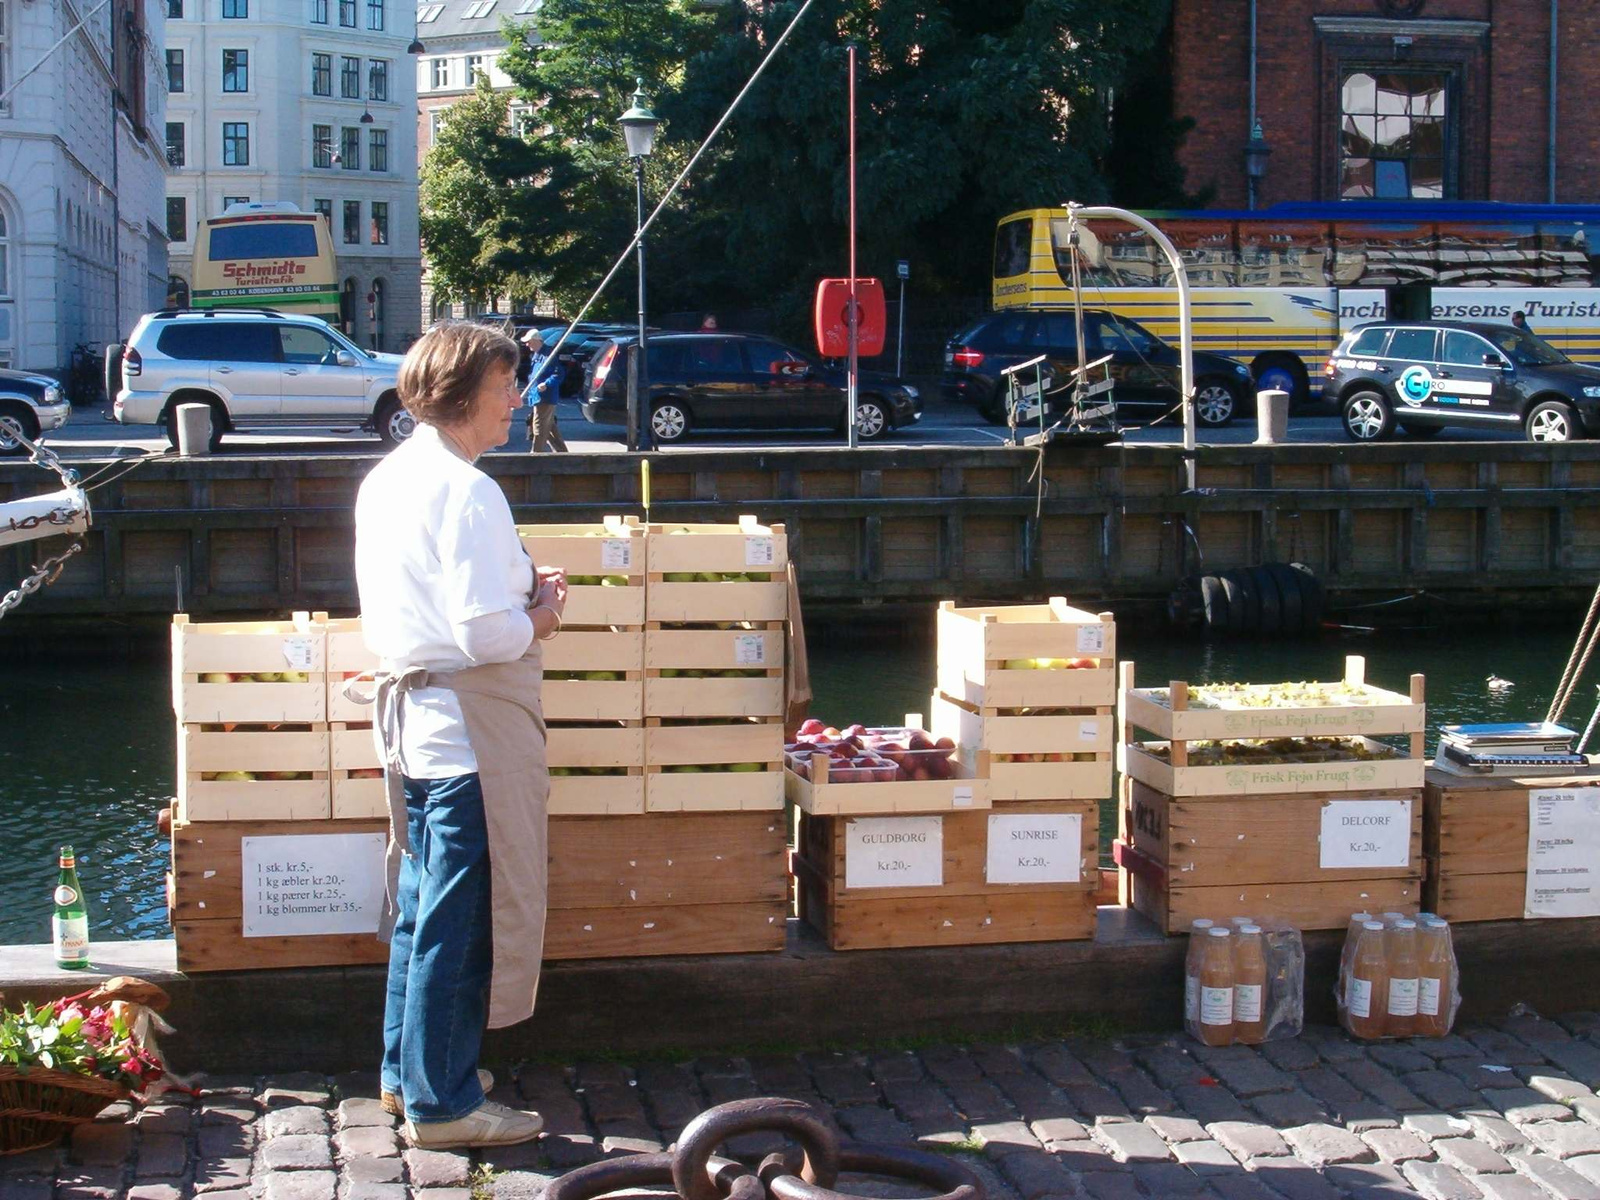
442 372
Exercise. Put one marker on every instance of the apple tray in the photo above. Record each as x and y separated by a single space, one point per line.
348 656
362 798
619 651
1248 779
204 752
746 548
1084 731
249 648
744 742
974 644
612 747
818 797
615 547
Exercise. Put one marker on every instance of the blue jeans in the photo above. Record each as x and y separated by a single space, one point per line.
441 954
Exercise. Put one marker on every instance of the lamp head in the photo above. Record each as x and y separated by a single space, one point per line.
639 124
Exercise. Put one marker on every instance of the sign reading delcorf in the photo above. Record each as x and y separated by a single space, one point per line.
1366 833
894 852
309 884
1563 853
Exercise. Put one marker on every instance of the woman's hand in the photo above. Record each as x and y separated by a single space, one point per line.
552 592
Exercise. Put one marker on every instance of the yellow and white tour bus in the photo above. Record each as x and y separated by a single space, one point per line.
266 256
1274 288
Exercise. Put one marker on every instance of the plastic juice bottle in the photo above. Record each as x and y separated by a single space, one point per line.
1436 981
1367 996
1191 971
1234 923
1389 918
1404 971
1216 989
1249 986
1352 934
70 924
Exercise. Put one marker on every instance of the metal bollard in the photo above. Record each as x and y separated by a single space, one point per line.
1272 417
194 429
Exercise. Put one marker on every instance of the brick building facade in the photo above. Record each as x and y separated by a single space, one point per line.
1390 98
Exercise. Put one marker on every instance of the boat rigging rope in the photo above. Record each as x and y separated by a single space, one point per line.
1582 650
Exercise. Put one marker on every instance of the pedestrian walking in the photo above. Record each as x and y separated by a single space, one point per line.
1519 320
545 377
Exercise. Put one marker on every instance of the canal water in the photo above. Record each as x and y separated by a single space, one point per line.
87 748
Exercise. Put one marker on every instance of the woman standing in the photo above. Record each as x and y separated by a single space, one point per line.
455 610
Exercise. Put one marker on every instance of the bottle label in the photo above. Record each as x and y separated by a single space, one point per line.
71 935
1428 996
1247 1003
1358 997
1191 998
66 895
1216 1006
1403 997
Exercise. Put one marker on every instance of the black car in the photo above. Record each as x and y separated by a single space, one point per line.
1424 375
741 381
586 340
1146 371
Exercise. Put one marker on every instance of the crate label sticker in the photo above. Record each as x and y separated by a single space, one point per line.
750 650
1563 853
1035 848
1366 833
298 652
310 884
961 797
894 852
758 552
1091 639
1089 731
616 554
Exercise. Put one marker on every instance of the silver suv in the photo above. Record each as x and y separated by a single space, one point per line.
257 369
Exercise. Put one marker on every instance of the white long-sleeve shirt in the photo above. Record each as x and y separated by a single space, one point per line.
444 584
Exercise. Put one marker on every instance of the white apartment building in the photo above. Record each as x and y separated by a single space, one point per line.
311 102
82 246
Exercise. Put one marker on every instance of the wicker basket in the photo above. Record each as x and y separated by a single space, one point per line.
39 1107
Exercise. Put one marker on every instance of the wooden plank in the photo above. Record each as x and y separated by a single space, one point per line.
714 649
607 745
220 945
755 927
714 697
1498 897
666 859
203 752
584 795
206 863
1079 731
594 700
895 796
957 920
1140 763
701 602
595 650
1305 905
714 791
729 549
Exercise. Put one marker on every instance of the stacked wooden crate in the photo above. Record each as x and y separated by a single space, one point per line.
1006 850
1246 804
357 776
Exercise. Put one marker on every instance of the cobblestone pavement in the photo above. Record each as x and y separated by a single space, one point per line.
1505 1112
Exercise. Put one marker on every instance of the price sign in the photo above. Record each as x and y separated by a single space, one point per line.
750 650
1563 853
299 652
758 552
1091 639
616 554
1035 848
1366 833
309 884
1088 731
961 797
894 852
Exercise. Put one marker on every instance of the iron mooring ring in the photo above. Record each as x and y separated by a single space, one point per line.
696 1174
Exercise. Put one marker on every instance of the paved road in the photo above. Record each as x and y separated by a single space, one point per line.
1491 1113
89 435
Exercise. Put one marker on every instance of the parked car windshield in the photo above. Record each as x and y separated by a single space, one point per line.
1119 333
1527 349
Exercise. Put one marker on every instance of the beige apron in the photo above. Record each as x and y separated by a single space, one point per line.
505 726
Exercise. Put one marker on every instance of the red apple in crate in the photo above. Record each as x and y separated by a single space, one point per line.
1083 663
811 726
944 743
854 730
832 734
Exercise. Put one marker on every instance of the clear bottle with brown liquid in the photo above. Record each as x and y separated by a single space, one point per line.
1216 988
1191 973
1347 955
1249 986
1366 997
1436 978
1404 969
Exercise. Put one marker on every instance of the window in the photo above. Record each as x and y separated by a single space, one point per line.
177 219
236 70
380 223
1463 349
522 122
324 208
349 77
227 203
377 79
378 150
429 13
303 344
1056 332
352 222
374 14
232 341
1412 344
528 7
1121 334
478 9
319 12
439 72
322 74
1392 136
174 70
1013 248
438 118
235 144
474 66
235 10
174 10
350 148
769 358
1370 342
322 145
175 147
347 13
4 43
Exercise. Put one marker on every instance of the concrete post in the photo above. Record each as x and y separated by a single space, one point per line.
1272 417
194 429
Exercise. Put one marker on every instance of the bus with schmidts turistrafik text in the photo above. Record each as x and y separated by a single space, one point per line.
266 256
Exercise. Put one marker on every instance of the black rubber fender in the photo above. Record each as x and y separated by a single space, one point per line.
1312 597
1214 602
1245 583
1290 610
1270 602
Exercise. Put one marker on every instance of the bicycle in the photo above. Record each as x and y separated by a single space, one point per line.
85 376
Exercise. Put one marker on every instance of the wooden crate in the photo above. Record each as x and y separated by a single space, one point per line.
1188 857
614 749
678 550
614 549
666 883
670 746
681 665
1007 733
969 790
966 908
348 657
207 901
297 647
619 652
209 750
975 645
358 793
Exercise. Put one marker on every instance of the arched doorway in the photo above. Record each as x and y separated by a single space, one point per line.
377 301
347 307
177 292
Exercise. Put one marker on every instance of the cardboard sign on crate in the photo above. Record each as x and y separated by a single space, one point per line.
256 672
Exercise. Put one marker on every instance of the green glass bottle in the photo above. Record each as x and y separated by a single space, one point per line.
70 925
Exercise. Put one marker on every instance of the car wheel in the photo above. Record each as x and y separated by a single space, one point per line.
1367 417
13 421
169 419
1278 375
1421 431
1214 403
668 422
871 419
395 422
1552 421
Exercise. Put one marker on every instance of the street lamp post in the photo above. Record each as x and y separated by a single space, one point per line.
1256 153
639 131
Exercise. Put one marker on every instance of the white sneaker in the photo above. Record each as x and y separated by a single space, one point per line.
393 1104
489 1124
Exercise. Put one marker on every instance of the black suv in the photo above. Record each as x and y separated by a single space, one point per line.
1146 371
741 381
1424 375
